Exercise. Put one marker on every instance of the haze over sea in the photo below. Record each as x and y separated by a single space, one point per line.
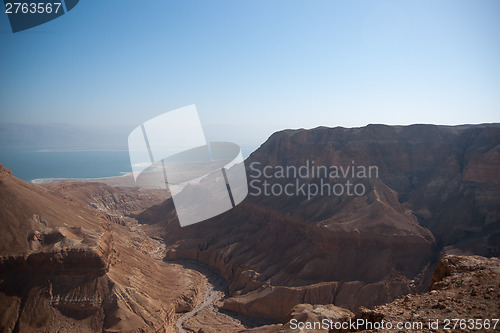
71 162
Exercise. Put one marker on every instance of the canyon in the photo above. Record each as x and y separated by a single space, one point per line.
84 256
436 194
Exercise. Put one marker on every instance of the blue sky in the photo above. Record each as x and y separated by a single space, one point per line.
254 67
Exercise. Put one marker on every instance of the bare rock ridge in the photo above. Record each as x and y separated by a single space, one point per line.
446 175
437 190
65 266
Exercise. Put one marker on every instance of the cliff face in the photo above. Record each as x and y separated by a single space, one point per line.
65 266
273 261
436 188
447 177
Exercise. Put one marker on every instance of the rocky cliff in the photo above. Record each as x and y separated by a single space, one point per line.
464 288
64 266
435 189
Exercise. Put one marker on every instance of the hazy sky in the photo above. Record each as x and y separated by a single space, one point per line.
253 67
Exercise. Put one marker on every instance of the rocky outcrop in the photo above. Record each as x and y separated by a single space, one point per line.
315 314
275 302
464 287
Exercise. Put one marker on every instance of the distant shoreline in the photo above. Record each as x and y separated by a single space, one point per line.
69 150
125 180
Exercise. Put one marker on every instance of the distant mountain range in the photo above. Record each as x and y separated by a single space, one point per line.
60 135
